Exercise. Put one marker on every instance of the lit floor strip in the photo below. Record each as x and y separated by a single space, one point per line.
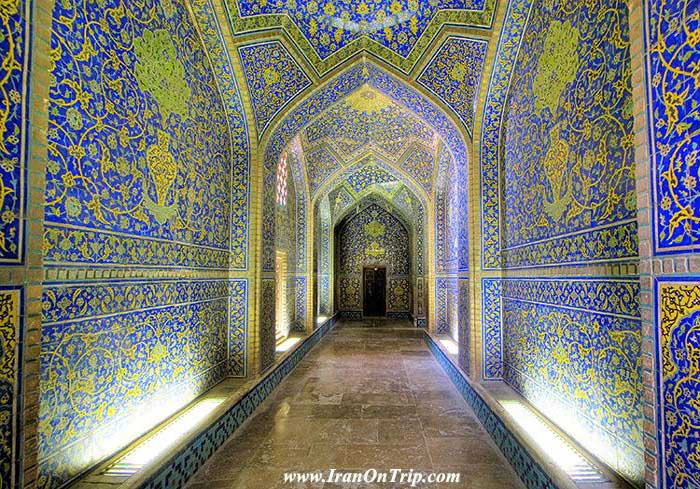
162 440
450 345
287 344
553 444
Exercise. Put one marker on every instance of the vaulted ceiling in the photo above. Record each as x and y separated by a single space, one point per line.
329 32
289 50
364 124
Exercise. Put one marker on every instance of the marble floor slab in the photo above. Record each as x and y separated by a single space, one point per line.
369 396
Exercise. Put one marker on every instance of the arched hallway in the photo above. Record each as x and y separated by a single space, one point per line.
370 395
209 207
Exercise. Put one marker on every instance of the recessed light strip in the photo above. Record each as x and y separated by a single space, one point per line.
552 443
163 439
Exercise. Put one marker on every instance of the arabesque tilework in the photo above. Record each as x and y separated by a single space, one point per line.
176 471
368 175
373 237
15 55
320 164
454 74
678 349
240 145
570 183
133 176
300 304
148 176
274 78
326 37
267 324
491 329
557 121
369 117
674 121
330 33
584 370
671 55
238 327
492 117
393 95
98 371
131 121
11 338
420 164
371 180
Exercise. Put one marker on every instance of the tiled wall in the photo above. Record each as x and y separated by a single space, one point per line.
145 249
11 334
560 298
668 119
21 185
373 237
448 242
573 348
140 314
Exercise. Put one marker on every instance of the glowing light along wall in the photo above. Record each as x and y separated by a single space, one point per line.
570 344
369 238
138 184
286 248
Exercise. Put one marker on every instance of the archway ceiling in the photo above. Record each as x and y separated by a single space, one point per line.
441 52
370 178
368 122
388 202
331 31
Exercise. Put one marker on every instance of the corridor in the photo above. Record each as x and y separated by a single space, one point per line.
369 396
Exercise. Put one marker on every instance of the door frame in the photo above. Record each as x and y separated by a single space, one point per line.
364 288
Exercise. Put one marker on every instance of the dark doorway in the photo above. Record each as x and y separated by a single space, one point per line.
374 291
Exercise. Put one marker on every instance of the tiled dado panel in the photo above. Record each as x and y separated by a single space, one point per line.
118 357
678 360
14 104
267 324
175 473
299 284
671 30
572 347
447 297
238 327
11 340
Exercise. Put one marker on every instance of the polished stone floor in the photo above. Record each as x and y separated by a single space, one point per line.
369 396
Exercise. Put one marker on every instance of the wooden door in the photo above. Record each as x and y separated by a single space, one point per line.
374 291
